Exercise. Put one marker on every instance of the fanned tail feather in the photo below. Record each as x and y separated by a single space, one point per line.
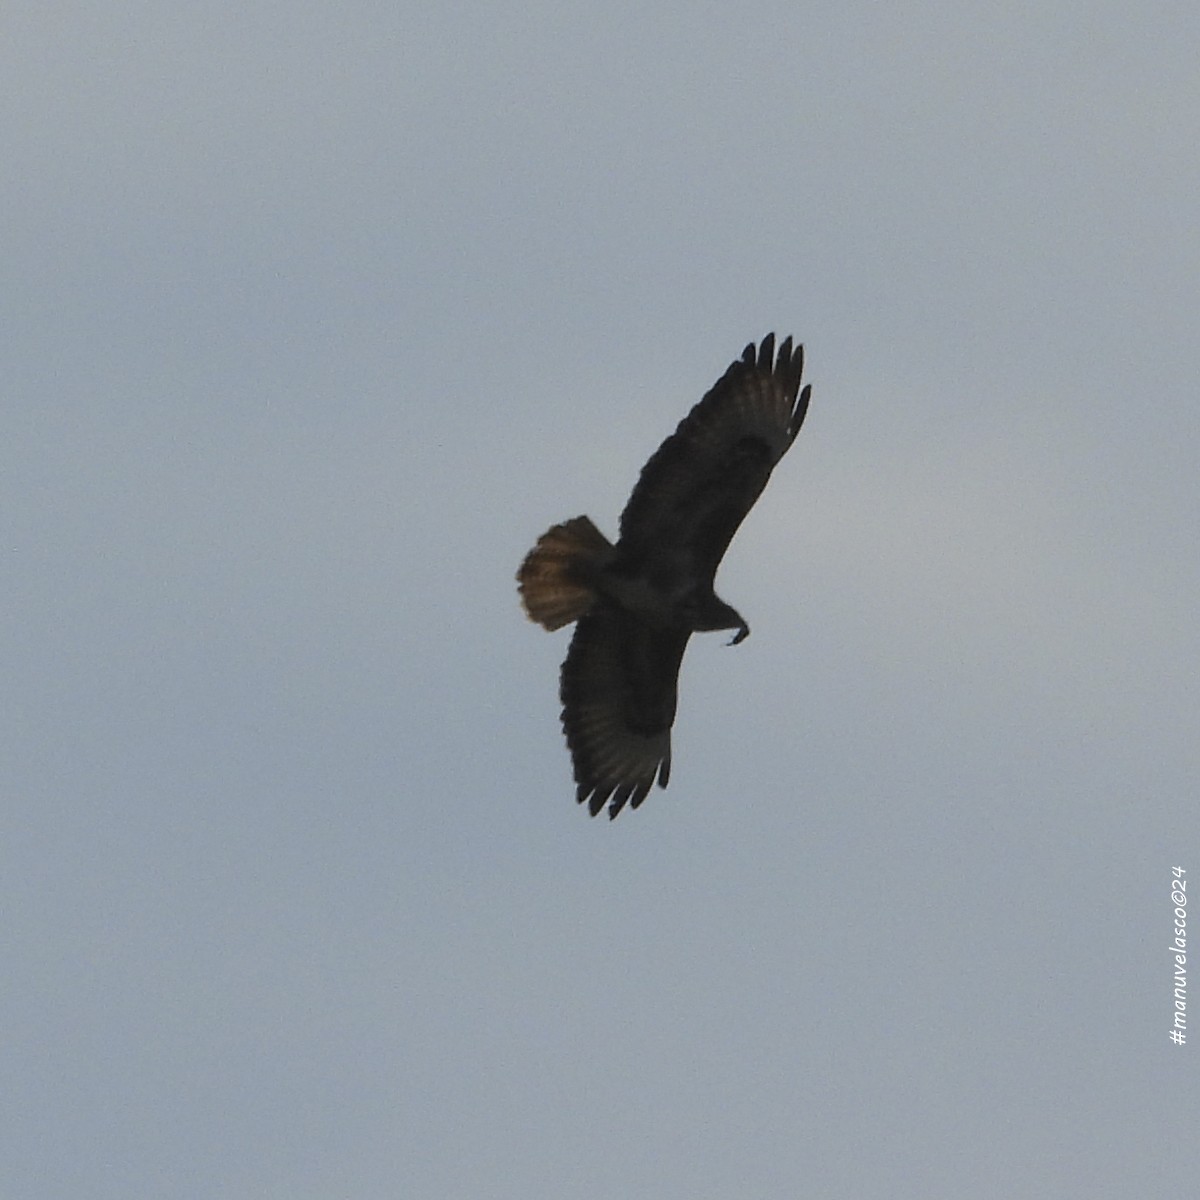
555 578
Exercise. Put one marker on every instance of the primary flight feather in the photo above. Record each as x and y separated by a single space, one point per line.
636 603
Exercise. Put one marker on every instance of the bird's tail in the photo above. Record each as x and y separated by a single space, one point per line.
555 578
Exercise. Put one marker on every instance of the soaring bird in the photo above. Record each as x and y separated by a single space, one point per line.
636 603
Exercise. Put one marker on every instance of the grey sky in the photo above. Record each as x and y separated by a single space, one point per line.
314 317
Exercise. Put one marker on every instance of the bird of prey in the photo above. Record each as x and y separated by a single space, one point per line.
636 603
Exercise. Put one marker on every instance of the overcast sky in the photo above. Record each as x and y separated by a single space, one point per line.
314 317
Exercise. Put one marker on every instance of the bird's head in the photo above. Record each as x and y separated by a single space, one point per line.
713 613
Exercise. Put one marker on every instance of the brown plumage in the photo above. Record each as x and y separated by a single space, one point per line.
636 604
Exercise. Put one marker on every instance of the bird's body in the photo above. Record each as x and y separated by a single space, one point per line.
636 603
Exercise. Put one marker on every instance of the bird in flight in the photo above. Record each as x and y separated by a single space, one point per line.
636 603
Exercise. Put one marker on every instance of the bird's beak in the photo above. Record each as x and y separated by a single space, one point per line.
742 634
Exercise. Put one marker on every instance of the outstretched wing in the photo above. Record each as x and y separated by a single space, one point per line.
703 480
618 690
